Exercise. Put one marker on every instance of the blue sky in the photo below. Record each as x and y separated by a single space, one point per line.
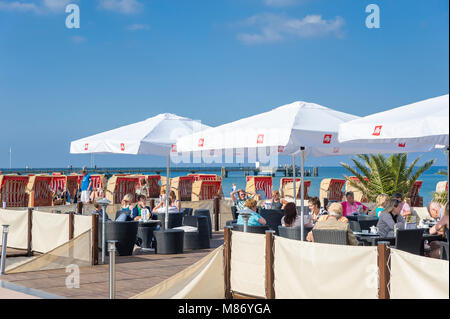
216 61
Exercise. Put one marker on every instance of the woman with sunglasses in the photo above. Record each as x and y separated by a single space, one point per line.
389 218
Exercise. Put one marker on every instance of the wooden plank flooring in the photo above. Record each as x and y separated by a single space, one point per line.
134 274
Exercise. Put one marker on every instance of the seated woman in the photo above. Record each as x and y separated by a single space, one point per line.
277 202
381 203
255 219
351 207
126 208
334 222
174 204
389 218
136 213
440 228
316 211
291 218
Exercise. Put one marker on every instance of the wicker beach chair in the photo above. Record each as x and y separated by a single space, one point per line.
251 229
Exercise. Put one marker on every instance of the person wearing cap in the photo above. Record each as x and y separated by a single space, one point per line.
389 218
405 209
86 186
334 221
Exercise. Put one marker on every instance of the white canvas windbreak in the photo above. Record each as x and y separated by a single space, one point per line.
306 270
202 280
18 228
418 277
49 231
81 224
248 269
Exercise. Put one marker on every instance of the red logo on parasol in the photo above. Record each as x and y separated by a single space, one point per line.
280 149
174 148
86 146
260 139
122 147
201 142
327 139
402 145
377 130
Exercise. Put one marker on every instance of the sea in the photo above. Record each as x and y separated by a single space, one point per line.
430 178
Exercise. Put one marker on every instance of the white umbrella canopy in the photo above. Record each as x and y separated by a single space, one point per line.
424 122
299 127
153 136
285 129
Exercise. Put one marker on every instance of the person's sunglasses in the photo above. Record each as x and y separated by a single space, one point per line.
397 202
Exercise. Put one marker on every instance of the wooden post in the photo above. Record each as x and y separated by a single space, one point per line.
216 207
94 239
80 208
30 225
384 265
227 262
270 291
71 225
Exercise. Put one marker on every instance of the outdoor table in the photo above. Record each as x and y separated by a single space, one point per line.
372 239
145 232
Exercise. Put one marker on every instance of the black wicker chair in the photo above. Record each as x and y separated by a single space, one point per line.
175 219
234 212
251 229
444 250
187 211
169 241
205 212
354 225
120 212
327 236
198 239
273 218
124 232
410 240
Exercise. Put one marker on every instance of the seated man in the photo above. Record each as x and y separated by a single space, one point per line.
99 211
434 209
136 213
440 228
242 198
333 222
350 206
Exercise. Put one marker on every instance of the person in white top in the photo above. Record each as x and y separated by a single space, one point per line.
174 205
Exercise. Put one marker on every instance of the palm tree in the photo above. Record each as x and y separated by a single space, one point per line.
377 174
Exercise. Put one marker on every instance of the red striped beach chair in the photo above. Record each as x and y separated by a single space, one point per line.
287 187
13 190
260 185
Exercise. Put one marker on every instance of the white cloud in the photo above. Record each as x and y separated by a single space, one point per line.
78 39
121 6
18 6
276 28
43 6
137 27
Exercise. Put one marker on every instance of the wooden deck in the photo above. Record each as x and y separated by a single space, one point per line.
134 274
